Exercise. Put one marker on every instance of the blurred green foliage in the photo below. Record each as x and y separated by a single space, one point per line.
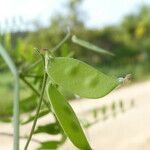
129 41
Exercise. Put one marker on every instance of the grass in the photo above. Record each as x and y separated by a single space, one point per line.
6 94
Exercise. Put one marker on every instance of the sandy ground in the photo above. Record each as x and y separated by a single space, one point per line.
128 130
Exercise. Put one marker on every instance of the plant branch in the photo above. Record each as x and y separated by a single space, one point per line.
38 110
35 91
16 112
31 75
28 68
61 42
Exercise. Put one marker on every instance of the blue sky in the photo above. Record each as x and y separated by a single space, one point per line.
98 12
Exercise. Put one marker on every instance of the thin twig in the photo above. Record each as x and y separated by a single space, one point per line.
28 68
38 110
31 75
16 112
35 91
63 40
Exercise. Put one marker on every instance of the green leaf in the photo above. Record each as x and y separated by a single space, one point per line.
31 118
52 128
51 145
90 46
67 118
80 78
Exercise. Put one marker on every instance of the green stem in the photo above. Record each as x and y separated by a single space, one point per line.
53 50
61 42
31 76
28 68
14 71
38 110
16 113
47 104
30 86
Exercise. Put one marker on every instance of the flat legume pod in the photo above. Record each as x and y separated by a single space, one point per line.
67 118
80 78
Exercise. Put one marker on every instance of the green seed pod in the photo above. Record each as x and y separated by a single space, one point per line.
67 118
80 78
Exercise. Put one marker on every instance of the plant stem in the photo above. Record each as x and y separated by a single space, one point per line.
16 114
14 71
38 110
31 76
61 42
30 86
28 68
47 104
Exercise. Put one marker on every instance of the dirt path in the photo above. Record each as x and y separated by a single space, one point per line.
127 131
